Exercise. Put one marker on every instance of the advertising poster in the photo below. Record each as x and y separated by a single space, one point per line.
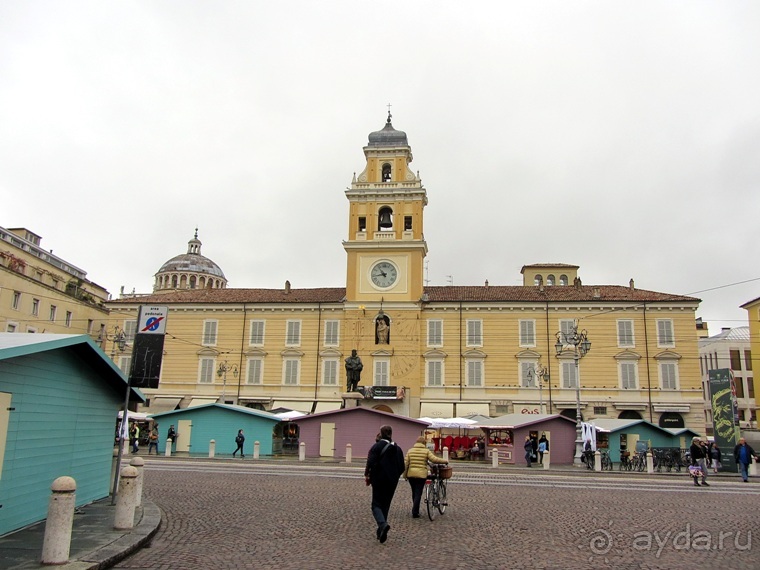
725 426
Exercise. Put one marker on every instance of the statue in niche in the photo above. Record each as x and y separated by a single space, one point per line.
382 329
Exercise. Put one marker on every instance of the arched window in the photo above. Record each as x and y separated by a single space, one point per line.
386 172
550 279
174 281
563 279
385 219
537 280
192 282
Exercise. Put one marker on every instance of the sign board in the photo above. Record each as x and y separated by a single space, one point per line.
382 392
725 424
152 320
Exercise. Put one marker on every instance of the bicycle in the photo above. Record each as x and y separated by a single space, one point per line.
606 461
435 490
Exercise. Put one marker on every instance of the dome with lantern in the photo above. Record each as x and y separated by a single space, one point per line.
189 270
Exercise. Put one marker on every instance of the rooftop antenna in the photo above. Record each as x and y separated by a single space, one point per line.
427 272
450 279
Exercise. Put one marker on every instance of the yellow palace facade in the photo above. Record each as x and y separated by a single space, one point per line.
426 351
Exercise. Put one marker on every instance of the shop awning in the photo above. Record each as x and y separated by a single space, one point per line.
160 404
200 401
300 405
465 409
327 406
437 410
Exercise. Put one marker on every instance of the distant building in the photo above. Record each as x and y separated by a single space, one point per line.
426 350
753 317
41 292
730 349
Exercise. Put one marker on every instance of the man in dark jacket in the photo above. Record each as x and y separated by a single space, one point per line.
385 464
698 454
743 454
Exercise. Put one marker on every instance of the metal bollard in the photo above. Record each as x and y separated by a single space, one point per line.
60 521
546 460
598 461
302 451
650 463
494 458
349 452
446 453
139 464
124 519
211 448
168 452
256 449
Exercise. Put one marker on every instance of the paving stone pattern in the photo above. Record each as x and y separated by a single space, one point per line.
241 519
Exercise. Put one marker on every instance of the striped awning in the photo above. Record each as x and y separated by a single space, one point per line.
200 401
327 406
161 404
465 409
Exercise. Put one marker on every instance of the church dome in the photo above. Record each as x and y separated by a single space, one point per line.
190 270
388 136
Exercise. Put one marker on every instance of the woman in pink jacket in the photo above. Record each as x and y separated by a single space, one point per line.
416 471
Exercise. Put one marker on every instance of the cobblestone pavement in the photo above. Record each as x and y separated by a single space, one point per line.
292 516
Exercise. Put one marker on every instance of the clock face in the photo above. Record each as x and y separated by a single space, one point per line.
384 274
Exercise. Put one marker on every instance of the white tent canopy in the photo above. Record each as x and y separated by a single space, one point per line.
437 423
133 416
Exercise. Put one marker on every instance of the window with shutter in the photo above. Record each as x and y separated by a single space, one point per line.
528 333
567 328
668 378
206 371
331 333
625 333
475 373
435 333
257 333
330 372
209 333
435 373
125 362
381 373
665 333
528 374
293 335
474 333
254 371
291 372
628 375
569 375
130 328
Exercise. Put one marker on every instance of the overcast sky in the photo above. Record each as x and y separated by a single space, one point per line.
620 137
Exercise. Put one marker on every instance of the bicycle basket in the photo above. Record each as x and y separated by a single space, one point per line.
445 472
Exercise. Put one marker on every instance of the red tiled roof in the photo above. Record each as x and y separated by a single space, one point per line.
446 294
555 294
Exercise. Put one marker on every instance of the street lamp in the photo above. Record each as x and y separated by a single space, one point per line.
581 345
222 373
541 374
118 338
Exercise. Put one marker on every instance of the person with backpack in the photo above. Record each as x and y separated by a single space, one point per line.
240 440
385 464
153 438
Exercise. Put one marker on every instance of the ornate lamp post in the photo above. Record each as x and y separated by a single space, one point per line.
224 367
581 345
541 374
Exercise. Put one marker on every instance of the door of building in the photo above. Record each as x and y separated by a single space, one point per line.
327 440
184 428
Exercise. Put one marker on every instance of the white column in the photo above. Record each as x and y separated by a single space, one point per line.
212 448
349 452
124 519
60 521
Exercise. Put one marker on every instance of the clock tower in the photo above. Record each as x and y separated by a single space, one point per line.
386 247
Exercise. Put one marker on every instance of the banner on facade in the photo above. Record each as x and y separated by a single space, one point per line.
148 347
725 415
382 392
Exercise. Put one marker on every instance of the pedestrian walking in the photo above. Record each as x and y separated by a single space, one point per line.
171 436
528 446
385 464
153 438
743 454
698 458
716 456
134 435
416 470
239 440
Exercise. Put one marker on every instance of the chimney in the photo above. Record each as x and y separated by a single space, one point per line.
630 284
287 287
597 292
577 283
486 282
